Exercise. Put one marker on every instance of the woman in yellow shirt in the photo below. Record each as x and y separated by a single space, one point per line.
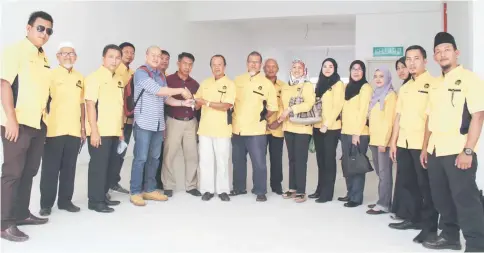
355 130
297 136
381 115
326 134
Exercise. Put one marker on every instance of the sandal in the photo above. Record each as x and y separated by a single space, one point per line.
288 194
299 198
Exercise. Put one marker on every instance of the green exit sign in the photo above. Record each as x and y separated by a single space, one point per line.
387 51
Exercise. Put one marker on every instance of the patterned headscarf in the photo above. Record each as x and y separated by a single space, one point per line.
380 93
304 78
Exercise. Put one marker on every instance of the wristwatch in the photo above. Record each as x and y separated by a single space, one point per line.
468 151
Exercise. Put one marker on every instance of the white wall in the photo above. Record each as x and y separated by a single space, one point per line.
460 26
398 29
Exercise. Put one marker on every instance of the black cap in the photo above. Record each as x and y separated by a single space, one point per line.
444 37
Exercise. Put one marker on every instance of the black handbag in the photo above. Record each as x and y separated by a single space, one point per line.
357 163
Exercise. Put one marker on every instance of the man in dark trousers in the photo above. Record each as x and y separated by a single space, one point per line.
25 80
455 115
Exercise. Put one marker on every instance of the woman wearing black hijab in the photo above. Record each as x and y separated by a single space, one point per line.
355 131
330 89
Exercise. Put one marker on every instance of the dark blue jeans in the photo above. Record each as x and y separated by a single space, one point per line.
147 149
354 184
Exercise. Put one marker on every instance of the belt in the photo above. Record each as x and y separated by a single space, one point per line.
184 119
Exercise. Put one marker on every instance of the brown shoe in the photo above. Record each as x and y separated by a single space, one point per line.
155 195
14 234
137 200
32 220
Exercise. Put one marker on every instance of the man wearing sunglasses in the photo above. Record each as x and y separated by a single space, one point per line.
66 131
25 80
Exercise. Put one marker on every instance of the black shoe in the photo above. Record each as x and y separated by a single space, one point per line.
194 192
119 188
168 193
112 202
425 236
314 196
351 204
100 207
404 225
442 243
45 211
224 197
235 193
320 200
70 208
261 198
371 206
207 196
277 191
344 199
14 234
32 220
375 212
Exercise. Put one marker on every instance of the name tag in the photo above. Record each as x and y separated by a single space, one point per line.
423 91
256 92
454 90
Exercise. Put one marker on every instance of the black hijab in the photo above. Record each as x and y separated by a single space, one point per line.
325 83
402 61
353 87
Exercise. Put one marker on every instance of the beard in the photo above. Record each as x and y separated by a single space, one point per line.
67 66
446 68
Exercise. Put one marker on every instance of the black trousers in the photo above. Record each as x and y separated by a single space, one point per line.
21 161
297 150
115 177
102 167
326 145
159 184
275 152
58 167
415 196
457 199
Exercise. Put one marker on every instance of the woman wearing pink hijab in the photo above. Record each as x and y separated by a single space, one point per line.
381 115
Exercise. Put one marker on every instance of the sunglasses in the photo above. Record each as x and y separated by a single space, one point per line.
41 29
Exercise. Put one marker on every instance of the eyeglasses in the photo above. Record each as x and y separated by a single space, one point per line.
41 29
356 70
64 54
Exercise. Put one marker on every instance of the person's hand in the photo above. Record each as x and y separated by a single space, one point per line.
274 125
200 101
323 129
121 138
382 149
393 152
11 130
83 135
95 139
284 114
355 139
186 94
463 161
187 103
423 158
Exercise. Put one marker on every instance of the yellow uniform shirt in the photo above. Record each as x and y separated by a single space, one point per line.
448 99
333 100
67 94
411 105
27 70
214 123
106 90
309 98
251 92
355 112
278 131
126 74
381 121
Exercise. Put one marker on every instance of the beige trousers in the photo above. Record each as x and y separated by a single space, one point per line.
180 135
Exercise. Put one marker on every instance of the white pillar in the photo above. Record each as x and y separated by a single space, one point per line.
477 36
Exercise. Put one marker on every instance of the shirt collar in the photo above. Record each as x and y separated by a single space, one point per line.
66 70
32 47
456 71
421 76
106 71
189 78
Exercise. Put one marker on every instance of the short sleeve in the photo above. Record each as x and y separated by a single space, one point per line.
91 89
399 106
474 91
199 93
229 96
10 64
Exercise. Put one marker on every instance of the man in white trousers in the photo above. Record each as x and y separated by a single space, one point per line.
216 96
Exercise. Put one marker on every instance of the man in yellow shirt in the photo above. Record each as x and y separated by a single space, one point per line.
275 137
455 116
255 102
66 131
25 79
124 70
104 102
216 96
406 144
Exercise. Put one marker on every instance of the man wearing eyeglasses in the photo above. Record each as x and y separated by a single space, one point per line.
65 120
25 80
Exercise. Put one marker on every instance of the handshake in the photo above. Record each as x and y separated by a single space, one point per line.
186 94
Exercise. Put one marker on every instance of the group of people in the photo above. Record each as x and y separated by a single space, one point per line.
430 129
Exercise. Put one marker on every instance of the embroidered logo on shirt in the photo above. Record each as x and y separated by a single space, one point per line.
426 86
458 82
120 85
224 87
79 84
260 88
